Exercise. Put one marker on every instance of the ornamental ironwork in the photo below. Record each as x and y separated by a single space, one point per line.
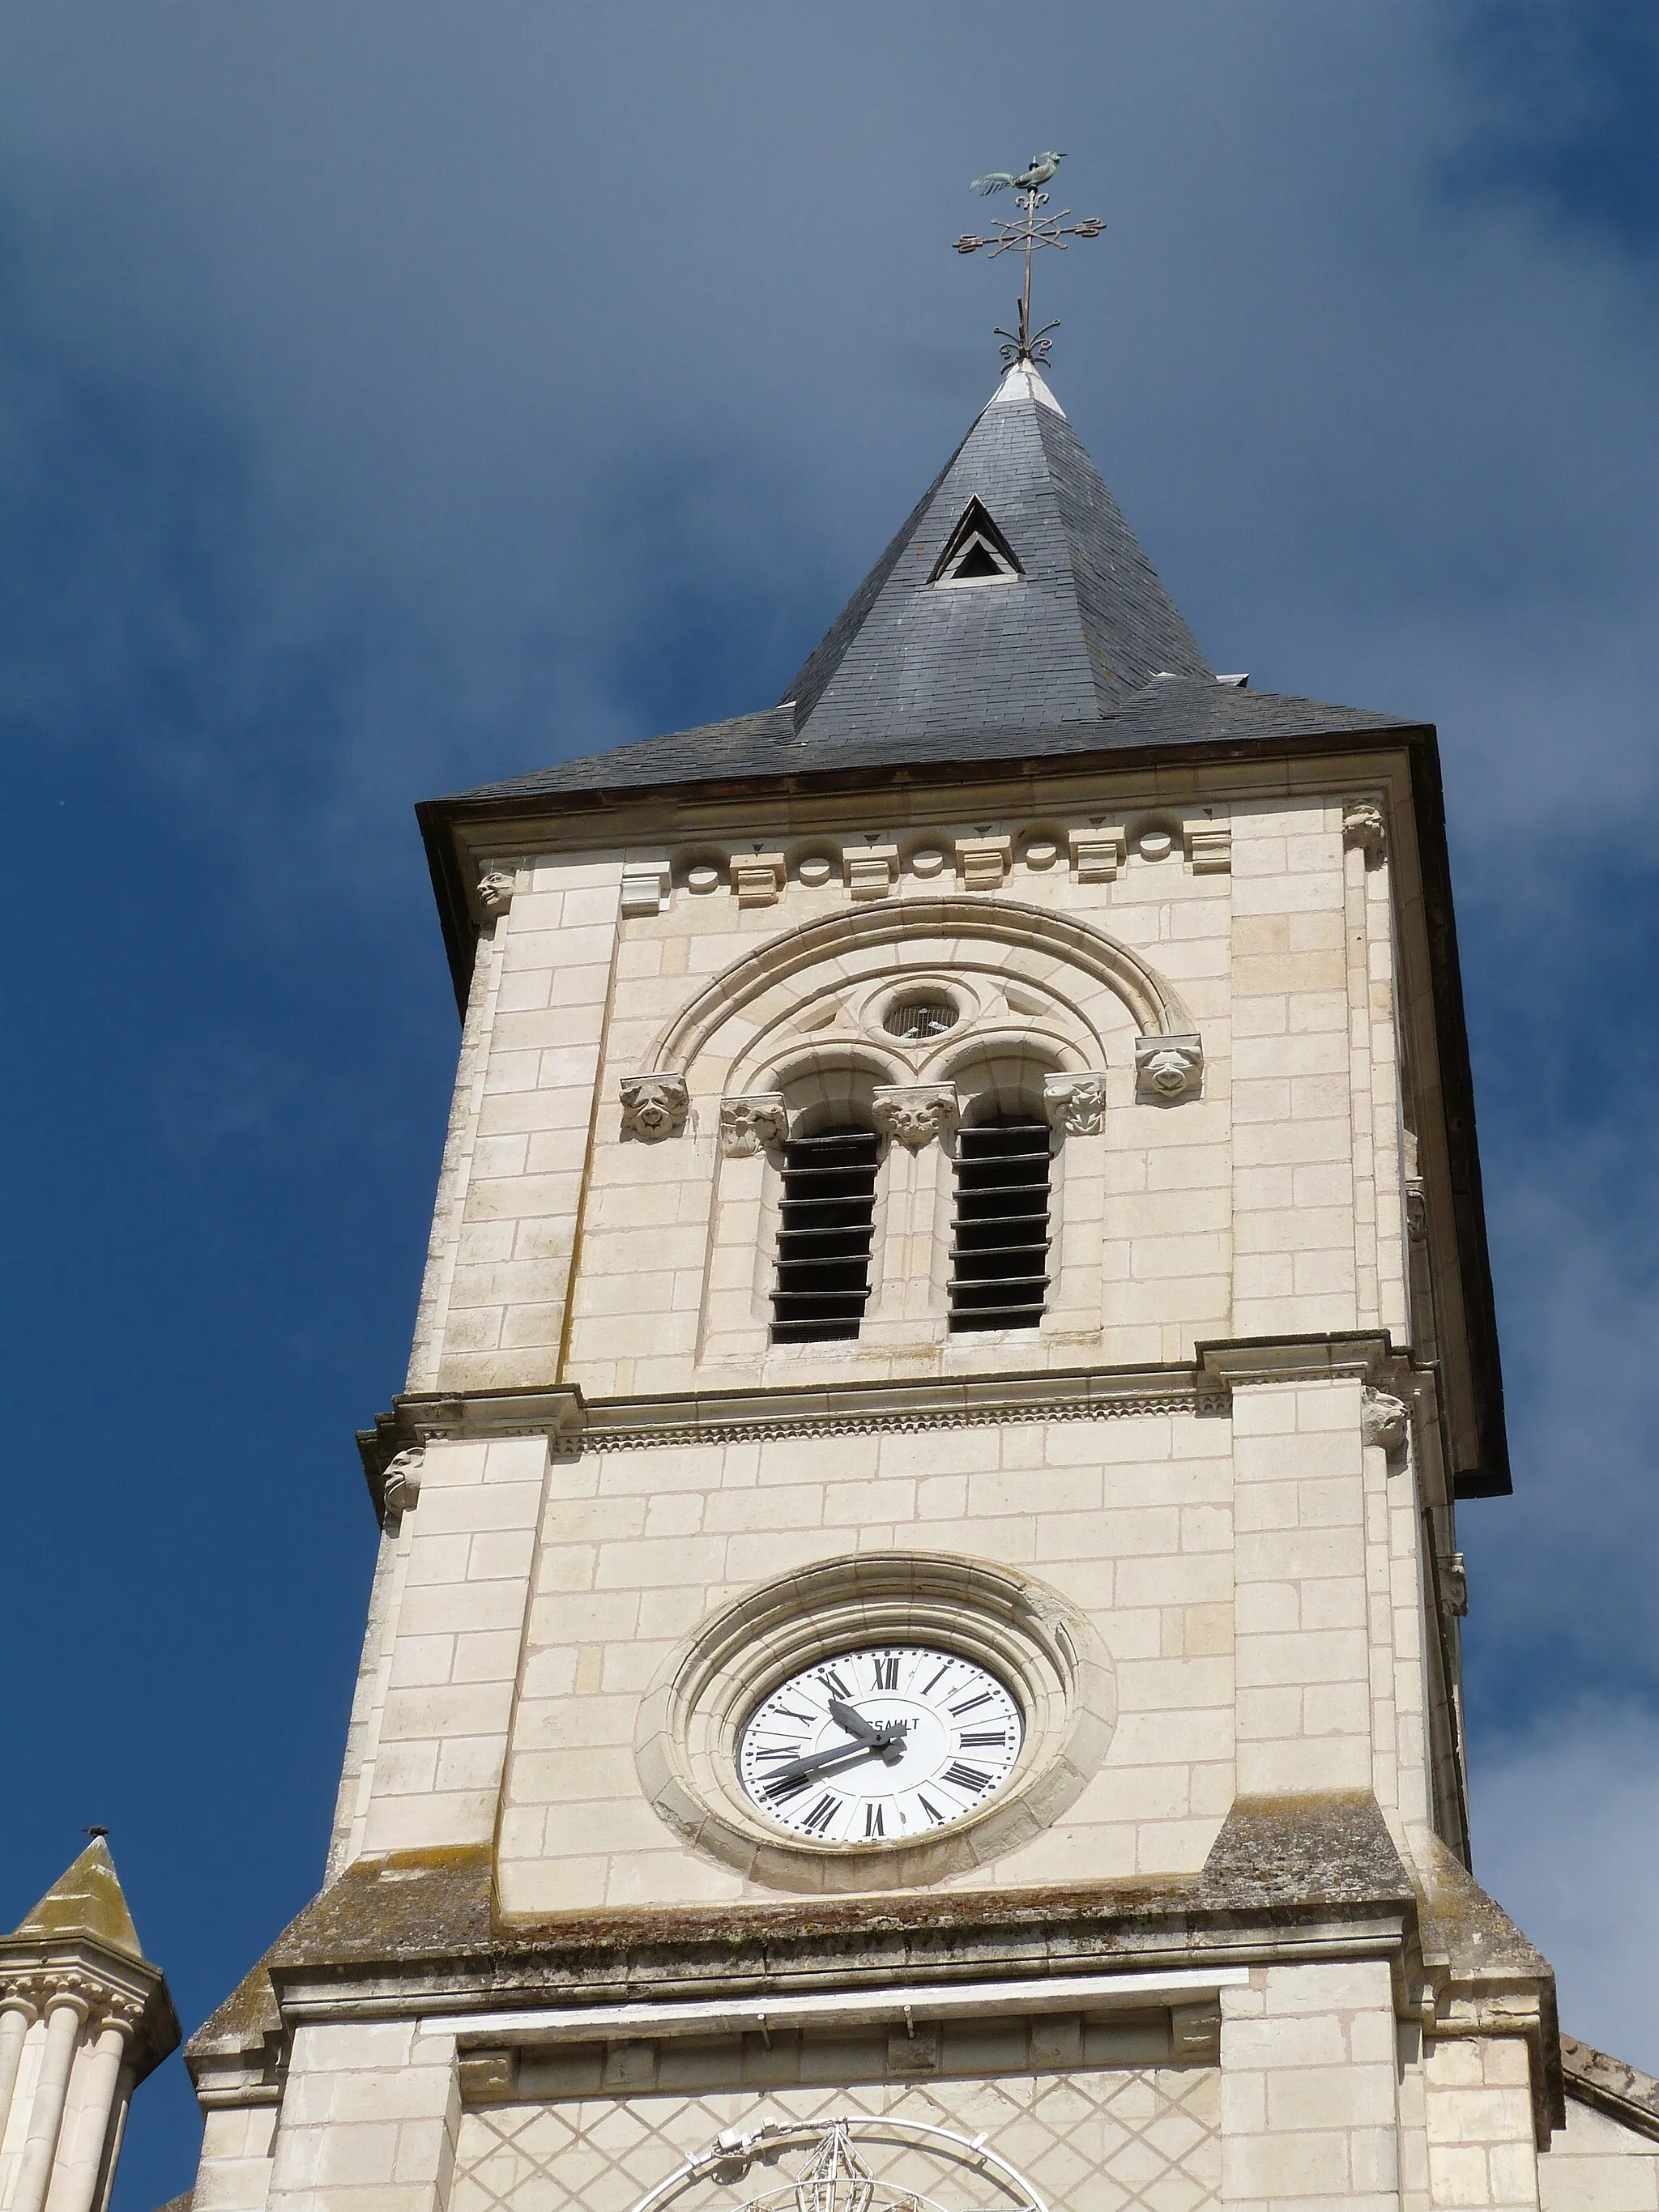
1030 230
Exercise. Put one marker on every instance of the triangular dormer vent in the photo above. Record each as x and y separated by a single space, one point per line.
977 552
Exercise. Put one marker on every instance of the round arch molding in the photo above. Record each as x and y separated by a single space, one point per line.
1157 1007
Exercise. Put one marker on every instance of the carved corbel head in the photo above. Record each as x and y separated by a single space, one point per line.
1168 1067
1417 1210
913 1114
496 892
1363 826
1454 1587
653 1106
401 1488
1384 1420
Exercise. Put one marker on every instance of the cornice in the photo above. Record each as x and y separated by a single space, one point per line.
573 1423
1620 2091
110 1984
1289 1880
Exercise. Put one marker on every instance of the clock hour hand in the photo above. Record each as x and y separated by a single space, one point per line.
887 1741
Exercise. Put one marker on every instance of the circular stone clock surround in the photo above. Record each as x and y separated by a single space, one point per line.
1018 1630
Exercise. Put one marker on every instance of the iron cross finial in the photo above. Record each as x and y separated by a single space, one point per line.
1029 232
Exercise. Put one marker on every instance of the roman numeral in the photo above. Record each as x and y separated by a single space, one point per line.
939 1677
790 1714
971 1705
966 1777
885 1667
795 1750
979 1737
833 1682
822 1814
791 1786
873 1823
932 1813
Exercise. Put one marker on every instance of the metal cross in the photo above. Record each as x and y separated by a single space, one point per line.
1029 233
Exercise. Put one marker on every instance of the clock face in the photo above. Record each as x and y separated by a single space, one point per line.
882 1744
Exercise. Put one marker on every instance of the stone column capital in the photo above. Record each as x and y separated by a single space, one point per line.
749 1124
1075 1105
913 1114
74 1993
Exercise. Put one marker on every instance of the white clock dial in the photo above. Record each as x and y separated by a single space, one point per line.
880 1744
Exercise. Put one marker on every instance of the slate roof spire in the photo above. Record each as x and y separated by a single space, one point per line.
1081 624
1013 618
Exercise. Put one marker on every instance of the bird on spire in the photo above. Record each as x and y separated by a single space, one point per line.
1036 173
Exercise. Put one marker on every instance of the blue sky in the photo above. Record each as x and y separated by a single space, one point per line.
404 396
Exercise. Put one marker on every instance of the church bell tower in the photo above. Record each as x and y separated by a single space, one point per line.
914 1662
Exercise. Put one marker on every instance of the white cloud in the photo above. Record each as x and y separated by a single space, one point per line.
453 288
1565 1820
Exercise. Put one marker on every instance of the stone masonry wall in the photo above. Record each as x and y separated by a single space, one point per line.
1271 1203
1253 1581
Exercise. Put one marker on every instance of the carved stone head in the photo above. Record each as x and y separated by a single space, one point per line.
1362 825
1168 1067
1384 1419
653 1106
913 1114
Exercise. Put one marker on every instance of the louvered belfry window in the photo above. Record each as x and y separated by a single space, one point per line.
828 1212
1000 1252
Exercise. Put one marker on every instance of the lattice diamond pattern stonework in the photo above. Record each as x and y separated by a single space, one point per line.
1088 2141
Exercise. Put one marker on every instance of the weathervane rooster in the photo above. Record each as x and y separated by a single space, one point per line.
1030 231
1037 172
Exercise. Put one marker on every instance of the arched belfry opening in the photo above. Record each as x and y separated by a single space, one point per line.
999 1234
977 552
825 1222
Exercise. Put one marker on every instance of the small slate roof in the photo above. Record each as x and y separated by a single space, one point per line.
1169 710
1084 651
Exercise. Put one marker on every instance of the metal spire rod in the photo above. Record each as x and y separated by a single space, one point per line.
1030 231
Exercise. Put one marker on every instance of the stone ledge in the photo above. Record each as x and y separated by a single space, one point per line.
1485 1977
1288 1879
1620 2091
